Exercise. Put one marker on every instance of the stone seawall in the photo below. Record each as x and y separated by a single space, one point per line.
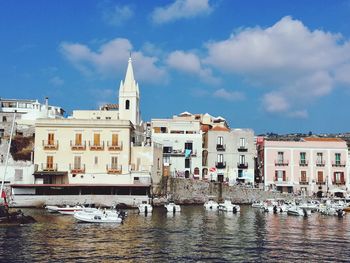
187 191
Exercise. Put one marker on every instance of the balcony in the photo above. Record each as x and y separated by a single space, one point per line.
49 167
96 147
50 145
338 182
114 169
281 162
115 147
220 165
304 181
221 147
77 169
320 163
303 163
321 182
78 146
242 148
339 164
242 165
179 153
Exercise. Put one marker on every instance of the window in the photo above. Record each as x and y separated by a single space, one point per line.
127 104
187 163
98 118
303 176
96 160
77 162
163 129
319 158
166 159
339 178
158 163
280 175
196 171
49 162
167 149
96 139
2 132
188 145
242 142
242 159
114 162
78 140
18 174
51 139
114 139
280 157
337 158
220 158
220 140
108 118
4 119
302 158
320 177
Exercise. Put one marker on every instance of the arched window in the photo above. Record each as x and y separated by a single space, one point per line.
127 104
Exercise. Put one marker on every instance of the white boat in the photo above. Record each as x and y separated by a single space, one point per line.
52 208
227 206
297 211
145 208
171 207
257 204
99 216
211 205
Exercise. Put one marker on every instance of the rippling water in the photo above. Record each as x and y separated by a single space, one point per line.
194 235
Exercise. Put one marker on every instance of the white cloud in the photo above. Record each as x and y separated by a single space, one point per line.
181 9
190 63
229 95
117 15
295 64
56 81
111 58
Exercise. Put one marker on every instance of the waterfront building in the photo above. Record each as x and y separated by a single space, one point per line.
95 153
310 166
181 138
230 154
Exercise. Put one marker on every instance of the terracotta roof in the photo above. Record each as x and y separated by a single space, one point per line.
316 139
220 128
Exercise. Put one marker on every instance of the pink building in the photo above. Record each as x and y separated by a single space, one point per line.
309 166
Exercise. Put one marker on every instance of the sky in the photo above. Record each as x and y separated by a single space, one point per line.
273 66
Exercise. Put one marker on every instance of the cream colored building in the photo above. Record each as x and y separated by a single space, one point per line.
96 152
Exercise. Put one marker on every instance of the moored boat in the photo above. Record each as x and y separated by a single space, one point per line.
171 207
227 206
99 216
145 208
211 205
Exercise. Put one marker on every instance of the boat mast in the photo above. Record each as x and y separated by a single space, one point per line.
8 154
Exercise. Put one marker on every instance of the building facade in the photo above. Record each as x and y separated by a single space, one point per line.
312 166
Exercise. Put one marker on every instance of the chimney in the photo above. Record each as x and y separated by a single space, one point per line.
47 106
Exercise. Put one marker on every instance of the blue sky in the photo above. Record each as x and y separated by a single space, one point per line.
274 66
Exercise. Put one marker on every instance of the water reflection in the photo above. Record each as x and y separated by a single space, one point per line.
192 235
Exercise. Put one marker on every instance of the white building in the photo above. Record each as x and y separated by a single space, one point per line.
181 138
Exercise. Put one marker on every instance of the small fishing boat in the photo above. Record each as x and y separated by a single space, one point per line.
171 207
227 206
99 216
145 208
211 205
297 211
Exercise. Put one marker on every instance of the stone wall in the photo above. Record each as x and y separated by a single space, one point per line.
187 191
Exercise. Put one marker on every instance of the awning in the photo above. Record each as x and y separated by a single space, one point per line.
41 173
337 190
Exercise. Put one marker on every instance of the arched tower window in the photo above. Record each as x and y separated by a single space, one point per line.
127 104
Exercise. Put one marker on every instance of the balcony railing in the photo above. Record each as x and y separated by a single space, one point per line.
321 182
96 147
303 163
50 145
179 153
242 148
114 169
281 179
320 163
74 169
49 167
242 165
281 162
339 164
115 147
338 182
220 165
303 181
78 146
220 147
